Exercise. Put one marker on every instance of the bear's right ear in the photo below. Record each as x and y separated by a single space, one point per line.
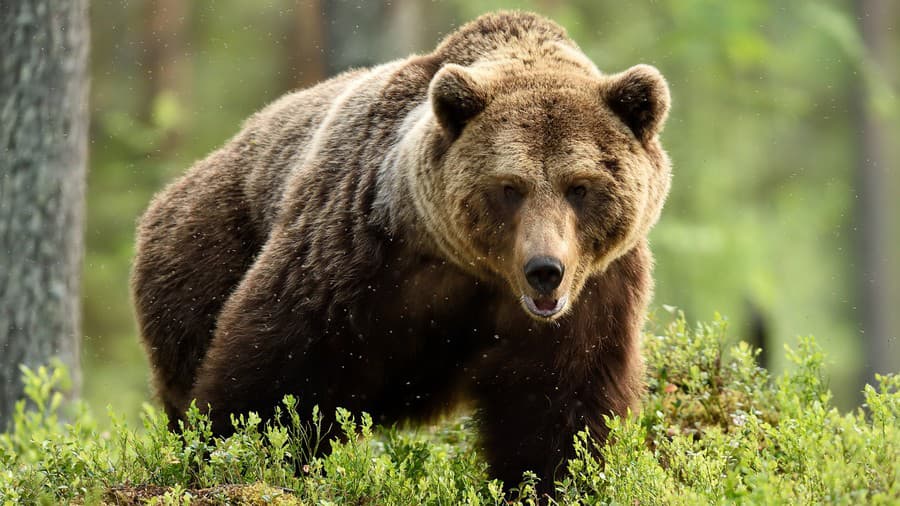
456 98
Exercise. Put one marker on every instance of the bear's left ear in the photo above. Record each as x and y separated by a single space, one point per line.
640 97
456 98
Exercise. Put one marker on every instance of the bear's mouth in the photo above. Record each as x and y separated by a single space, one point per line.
544 307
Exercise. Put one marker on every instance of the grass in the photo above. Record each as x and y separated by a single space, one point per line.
715 429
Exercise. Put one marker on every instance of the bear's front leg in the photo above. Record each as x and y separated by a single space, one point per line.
547 382
258 350
531 410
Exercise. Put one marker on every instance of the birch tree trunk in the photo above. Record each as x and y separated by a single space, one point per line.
43 151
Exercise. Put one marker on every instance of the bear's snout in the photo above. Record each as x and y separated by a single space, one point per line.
544 273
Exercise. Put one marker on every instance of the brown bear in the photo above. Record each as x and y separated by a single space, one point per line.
466 225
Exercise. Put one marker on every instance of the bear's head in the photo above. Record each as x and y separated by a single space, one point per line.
539 179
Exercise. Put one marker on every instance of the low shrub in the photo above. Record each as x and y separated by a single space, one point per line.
715 428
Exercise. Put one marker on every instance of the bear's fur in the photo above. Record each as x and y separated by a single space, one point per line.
362 244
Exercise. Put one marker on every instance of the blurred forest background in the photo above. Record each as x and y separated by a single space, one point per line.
783 134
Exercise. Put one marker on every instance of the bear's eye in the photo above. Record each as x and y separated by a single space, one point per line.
511 194
576 193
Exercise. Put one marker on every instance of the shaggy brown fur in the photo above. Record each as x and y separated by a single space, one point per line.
363 244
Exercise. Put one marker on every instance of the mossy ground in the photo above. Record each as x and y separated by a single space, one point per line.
714 429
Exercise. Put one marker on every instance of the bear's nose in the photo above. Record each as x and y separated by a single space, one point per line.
544 273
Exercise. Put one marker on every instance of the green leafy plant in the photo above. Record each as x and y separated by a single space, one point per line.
714 429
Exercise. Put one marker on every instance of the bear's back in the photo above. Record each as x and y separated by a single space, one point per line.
354 118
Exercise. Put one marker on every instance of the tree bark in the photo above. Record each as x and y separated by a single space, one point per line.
871 202
43 153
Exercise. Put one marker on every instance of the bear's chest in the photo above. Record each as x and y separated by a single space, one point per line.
418 304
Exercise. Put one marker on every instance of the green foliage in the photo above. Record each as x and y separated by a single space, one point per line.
715 428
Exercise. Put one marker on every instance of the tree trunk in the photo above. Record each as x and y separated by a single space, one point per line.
355 34
165 62
408 29
306 48
43 134
871 202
